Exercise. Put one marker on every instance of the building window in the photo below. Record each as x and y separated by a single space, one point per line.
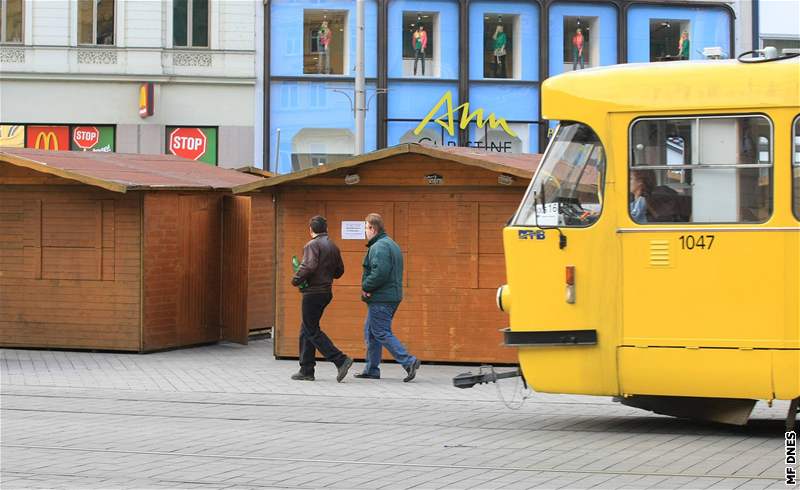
581 46
96 22
312 147
10 21
420 38
317 96
324 39
701 170
669 40
190 23
289 96
796 167
790 45
500 56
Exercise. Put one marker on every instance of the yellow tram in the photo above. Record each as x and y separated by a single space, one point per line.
656 254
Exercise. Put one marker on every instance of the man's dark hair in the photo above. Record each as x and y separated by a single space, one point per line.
318 224
375 220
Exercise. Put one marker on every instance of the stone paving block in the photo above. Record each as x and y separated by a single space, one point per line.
227 415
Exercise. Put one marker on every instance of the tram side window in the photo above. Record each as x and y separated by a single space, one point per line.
701 170
796 167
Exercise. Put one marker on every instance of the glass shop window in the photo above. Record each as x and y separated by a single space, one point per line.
670 40
581 46
420 48
324 42
501 56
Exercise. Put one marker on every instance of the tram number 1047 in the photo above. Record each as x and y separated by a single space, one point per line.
691 242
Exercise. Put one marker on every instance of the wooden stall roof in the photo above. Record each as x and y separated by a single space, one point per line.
255 171
518 165
122 172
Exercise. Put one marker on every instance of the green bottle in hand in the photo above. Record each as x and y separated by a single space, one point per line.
296 266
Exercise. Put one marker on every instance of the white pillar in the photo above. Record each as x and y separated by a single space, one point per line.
360 85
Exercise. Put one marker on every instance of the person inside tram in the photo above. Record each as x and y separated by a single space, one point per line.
642 183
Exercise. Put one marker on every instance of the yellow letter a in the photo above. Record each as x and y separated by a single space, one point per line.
449 126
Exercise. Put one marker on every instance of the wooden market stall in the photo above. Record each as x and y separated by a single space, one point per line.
127 252
445 208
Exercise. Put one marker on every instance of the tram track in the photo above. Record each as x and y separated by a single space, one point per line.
615 425
618 423
532 469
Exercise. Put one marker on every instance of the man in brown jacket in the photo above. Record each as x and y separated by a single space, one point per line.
322 263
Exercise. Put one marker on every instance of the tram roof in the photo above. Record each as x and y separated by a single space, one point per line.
672 86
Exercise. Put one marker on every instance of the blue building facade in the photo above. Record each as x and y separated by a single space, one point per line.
424 57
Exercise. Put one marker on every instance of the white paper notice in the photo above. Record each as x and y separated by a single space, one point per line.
353 230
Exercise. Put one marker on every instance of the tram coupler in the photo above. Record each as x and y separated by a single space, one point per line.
486 374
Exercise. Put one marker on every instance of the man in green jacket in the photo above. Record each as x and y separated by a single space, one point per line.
382 290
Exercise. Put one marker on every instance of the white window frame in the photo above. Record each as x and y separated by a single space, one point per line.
4 23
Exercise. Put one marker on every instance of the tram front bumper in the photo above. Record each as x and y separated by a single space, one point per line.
548 338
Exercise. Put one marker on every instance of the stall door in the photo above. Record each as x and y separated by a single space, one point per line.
198 299
235 254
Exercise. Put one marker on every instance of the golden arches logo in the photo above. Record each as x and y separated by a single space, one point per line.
46 138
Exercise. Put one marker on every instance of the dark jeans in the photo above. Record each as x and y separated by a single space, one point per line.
312 338
419 54
378 334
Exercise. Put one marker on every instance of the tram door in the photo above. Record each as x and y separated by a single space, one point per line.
700 270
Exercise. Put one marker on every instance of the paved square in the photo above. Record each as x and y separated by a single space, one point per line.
227 416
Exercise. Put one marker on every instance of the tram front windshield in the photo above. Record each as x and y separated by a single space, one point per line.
567 188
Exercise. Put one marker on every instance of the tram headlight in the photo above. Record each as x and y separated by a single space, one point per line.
503 298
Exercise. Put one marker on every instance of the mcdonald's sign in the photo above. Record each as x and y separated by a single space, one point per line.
48 137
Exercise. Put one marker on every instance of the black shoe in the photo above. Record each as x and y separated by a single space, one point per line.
348 361
366 376
412 371
299 376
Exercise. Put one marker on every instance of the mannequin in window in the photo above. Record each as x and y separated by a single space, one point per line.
577 49
683 46
419 41
324 34
499 52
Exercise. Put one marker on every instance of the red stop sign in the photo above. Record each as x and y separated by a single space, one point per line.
86 136
187 143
